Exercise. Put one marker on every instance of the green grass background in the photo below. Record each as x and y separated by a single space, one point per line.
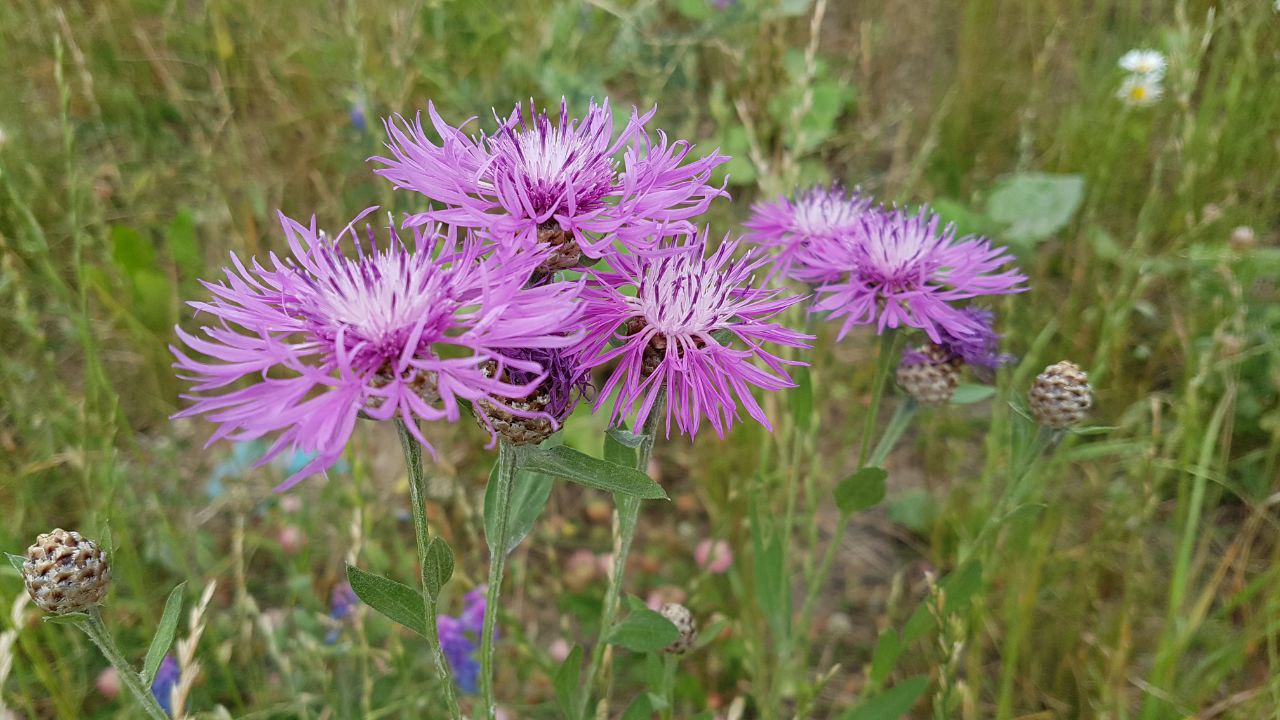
144 139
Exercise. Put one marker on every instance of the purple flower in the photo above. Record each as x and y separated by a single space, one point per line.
674 318
460 639
535 180
397 332
167 677
981 350
342 605
902 270
792 225
560 383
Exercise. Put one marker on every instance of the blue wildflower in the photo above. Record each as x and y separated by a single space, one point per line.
166 679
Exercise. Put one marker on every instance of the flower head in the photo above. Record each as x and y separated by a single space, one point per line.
400 332
1150 63
166 679
675 318
979 349
558 183
792 225
1140 90
904 270
560 383
460 639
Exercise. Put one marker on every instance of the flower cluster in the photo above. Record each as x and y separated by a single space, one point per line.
1142 85
460 639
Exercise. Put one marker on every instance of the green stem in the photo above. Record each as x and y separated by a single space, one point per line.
624 532
508 466
669 662
132 680
884 364
902 416
418 499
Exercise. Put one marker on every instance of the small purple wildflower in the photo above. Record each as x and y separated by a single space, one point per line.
460 639
792 225
536 179
674 318
342 605
560 383
394 332
902 270
167 677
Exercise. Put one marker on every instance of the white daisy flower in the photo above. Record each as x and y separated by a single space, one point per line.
1139 90
1145 62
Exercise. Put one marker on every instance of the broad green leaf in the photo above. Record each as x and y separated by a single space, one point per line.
861 490
644 631
528 500
184 248
892 704
1033 206
438 566
165 631
620 447
801 397
966 220
566 680
132 252
641 708
398 602
885 656
772 584
71 618
600 474
968 393
17 561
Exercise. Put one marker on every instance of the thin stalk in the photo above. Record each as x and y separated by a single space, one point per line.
884 364
669 661
132 680
508 466
418 499
624 531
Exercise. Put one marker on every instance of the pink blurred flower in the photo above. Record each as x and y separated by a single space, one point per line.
108 683
714 556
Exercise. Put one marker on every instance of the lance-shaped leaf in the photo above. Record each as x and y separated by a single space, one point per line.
600 474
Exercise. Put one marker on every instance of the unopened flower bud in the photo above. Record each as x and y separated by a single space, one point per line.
65 572
1060 396
929 374
680 616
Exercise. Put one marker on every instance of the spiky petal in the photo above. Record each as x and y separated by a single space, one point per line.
905 270
690 321
790 225
404 331
538 180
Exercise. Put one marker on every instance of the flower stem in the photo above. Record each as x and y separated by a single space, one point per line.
884 363
418 499
508 466
132 680
624 531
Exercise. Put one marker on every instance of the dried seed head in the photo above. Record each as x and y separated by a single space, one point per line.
680 616
929 374
1060 396
65 572
565 253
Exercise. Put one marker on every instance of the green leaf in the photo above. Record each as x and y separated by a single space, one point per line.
1033 206
16 561
885 656
398 602
438 567
640 709
710 634
71 618
566 680
969 393
772 584
600 474
966 220
892 704
802 399
861 490
528 500
165 631
132 252
184 248
644 631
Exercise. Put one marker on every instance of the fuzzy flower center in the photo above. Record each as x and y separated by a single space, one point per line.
552 168
820 214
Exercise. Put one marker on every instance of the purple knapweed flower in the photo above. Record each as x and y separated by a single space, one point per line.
675 318
404 331
167 677
979 349
460 639
790 225
903 270
560 384
559 183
